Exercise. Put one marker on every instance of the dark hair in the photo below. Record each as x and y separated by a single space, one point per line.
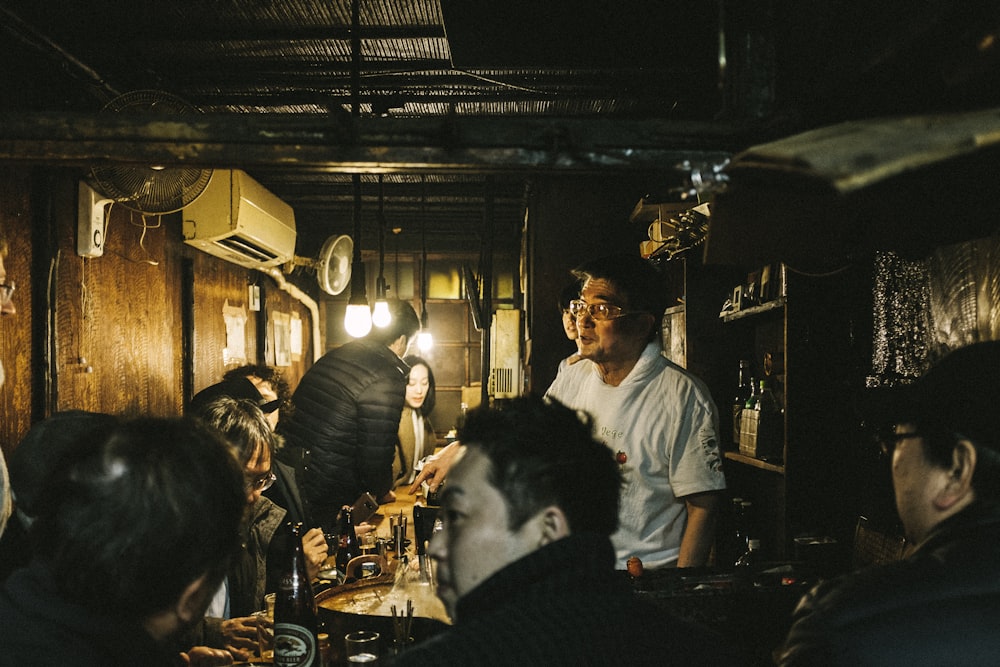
269 374
540 450
639 281
44 446
569 293
242 423
404 323
956 399
412 360
138 512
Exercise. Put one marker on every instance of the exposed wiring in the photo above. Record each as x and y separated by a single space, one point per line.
142 237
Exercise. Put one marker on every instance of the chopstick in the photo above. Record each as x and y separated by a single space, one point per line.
402 625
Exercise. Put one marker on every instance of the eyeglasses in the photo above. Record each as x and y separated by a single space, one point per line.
6 292
599 312
262 483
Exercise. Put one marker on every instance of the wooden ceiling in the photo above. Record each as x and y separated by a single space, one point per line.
450 108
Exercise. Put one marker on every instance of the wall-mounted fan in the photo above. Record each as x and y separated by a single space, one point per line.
150 189
332 265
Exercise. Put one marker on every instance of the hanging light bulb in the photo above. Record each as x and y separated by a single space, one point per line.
358 318
425 341
381 317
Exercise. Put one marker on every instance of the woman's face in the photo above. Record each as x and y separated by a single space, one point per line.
417 387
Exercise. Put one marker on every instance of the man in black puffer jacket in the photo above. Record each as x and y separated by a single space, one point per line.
940 605
346 417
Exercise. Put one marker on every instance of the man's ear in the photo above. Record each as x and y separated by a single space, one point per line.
188 608
957 489
191 604
554 525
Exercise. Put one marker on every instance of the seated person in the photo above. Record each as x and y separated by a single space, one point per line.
416 435
941 604
251 386
524 559
229 623
271 384
46 444
133 532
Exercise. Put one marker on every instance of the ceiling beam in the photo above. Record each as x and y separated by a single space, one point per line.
336 143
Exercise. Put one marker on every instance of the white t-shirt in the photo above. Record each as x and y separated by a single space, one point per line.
665 421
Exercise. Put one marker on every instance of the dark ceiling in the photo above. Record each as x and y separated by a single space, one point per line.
456 105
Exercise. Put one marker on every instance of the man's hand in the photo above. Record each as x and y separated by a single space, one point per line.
239 636
203 656
436 467
314 549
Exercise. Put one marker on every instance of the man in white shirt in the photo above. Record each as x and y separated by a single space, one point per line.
659 419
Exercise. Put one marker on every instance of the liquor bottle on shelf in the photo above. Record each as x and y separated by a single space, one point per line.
748 423
347 543
295 623
743 391
751 402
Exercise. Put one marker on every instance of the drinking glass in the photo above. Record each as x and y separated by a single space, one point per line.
265 635
362 647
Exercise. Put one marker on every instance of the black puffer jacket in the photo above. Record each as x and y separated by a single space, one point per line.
940 606
346 416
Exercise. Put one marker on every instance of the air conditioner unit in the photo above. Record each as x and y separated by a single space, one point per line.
239 220
505 354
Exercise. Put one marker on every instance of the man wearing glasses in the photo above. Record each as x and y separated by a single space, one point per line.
659 419
229 623
941 604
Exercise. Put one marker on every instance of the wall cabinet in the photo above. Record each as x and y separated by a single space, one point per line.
813 345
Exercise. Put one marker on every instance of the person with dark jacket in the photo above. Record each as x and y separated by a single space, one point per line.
45 445
346 415
133 531
524 559
229 623
941 604
249 383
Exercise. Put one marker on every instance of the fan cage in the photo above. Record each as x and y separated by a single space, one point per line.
150 189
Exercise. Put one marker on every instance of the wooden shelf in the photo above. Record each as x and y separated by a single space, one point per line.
755 310
756 463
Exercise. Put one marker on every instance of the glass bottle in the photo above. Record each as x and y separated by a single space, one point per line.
738 535
749 560
325 650
751 402
743 391
347 542
295 623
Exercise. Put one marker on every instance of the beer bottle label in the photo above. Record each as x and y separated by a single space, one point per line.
294 646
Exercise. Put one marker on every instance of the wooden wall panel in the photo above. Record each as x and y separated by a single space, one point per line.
16 215
118 333
111 337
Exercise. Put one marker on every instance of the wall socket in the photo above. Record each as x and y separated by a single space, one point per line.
92 223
